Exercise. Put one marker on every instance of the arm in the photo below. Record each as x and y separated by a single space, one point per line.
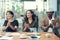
56 22
24 29
4 28
15 27
26 26
44 25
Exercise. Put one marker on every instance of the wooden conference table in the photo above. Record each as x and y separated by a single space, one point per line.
42 36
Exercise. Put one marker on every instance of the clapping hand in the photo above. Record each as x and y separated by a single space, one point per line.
8 24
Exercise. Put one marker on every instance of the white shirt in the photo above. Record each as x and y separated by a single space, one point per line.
50 22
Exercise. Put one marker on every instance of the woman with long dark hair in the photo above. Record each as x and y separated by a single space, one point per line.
31 19
10 25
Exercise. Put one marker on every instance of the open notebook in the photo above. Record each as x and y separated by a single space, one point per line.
6 38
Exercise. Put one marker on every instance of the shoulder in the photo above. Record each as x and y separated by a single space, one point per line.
36 18
45 19
6 21
57 19
15 20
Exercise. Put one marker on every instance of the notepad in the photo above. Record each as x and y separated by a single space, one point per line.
6 38
15 34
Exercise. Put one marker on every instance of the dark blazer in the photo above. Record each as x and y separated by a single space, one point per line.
34 23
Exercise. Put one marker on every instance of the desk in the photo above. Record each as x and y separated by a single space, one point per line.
42 34
53 37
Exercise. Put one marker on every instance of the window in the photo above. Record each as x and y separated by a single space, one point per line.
45 0
13 5
28 0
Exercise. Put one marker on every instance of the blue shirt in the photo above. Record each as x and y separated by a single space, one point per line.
14 23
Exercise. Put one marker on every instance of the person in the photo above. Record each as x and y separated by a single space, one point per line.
10 25
50 23
31 19
26 27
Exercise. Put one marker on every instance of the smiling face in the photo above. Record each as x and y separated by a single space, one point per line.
9 15
29 14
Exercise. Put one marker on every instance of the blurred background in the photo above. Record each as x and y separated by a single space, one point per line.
40 7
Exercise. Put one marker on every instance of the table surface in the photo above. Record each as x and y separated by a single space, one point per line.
42 35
